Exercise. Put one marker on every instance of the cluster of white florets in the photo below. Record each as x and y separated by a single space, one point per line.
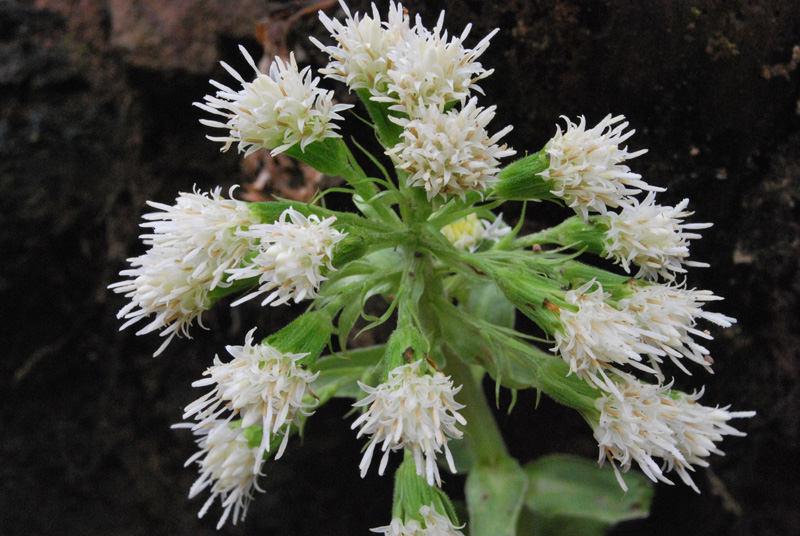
668 315
404 65
260 385
192 246
292 254
411 409
274 111
361 57
470 232
450 152
228 465
587 167
652 237
651 421
419 72
433 524
204 242
599 340
640 421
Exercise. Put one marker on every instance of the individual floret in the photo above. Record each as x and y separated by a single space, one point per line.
415 410
275 111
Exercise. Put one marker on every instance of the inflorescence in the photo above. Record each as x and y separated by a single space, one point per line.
427 241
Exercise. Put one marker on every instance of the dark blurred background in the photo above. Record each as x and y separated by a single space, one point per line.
96 118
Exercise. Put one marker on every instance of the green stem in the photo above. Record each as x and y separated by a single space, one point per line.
486 443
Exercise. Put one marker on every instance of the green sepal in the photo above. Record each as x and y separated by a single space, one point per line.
520 180
270 212
406 345
619 286
329 156
412 492
495 495
567 493
538 297
309 333
349 249
577 234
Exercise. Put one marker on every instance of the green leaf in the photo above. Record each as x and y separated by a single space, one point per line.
574 492
488 303
495 496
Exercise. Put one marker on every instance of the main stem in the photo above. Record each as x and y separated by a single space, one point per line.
487 446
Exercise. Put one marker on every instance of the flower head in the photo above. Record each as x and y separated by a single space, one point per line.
229 465
428 70
469 232
292 253
412 409
672 313
597 338
261 385
192 244
360 59
650 421
586 166
275 111
433 524
653 237
450 152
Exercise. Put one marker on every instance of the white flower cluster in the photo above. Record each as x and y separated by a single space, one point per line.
586 166
192 246
292 253
450 152
597 338
640 421
653 237
275 111
228 465
415 410
408 66
470 232
650 421
419 72
671 313
261 385
656 321
433 524
204 242
360 59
